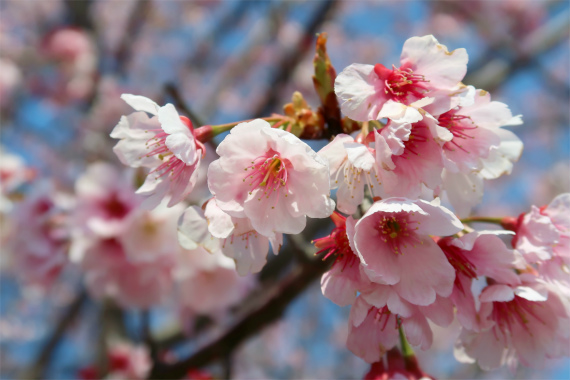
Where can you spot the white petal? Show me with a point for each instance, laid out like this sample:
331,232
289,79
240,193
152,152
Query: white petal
355,89
183,147
497,293
428,57
220,224
530,294
170,121
359,156
140,103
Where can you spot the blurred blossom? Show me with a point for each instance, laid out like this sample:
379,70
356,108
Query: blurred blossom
10,79
63,68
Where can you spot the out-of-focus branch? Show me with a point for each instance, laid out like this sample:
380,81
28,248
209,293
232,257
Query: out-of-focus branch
78,13
292,58
37,369
147,334
134,26
179,103
496,70
262,32
265,311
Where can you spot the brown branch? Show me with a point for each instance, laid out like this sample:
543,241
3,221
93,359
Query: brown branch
496,70
134,26
266,311
293,58
37,369
172,90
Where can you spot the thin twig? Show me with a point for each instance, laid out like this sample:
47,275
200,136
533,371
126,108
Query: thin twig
496,70
133,28
293,58
266,311
37,369
147,334
172,90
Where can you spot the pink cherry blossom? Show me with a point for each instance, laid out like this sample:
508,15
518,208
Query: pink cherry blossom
480,148
371,331
414,318
476,255
529,323
352,167
374,329
240,241
342,282
409,157
152,234
544,233
270,177
474,128
110,273
104,200
427,68
164,143
146,248
393,242
207,280
38,238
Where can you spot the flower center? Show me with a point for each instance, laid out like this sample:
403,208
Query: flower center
458,259
171,165
459,126
267,173
382,316
353,176
417,137
114,207
244,238
397,233
401,84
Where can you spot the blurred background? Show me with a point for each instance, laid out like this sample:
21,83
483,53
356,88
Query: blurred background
64,65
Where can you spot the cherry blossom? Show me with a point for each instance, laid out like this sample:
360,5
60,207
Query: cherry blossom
373,328
427,68
409,157
480,149
342,282
529,324
164,143
240,241
38,239
476,255
104,201
393,243
544,233
207,280
148,283
352,167
270,177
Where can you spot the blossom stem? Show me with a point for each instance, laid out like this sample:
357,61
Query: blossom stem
207,132
407,350
482,219
220,128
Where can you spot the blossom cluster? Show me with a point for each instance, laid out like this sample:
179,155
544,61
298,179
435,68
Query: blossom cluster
406,163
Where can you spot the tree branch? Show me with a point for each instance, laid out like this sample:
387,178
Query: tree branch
37,369
266,311
293,58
